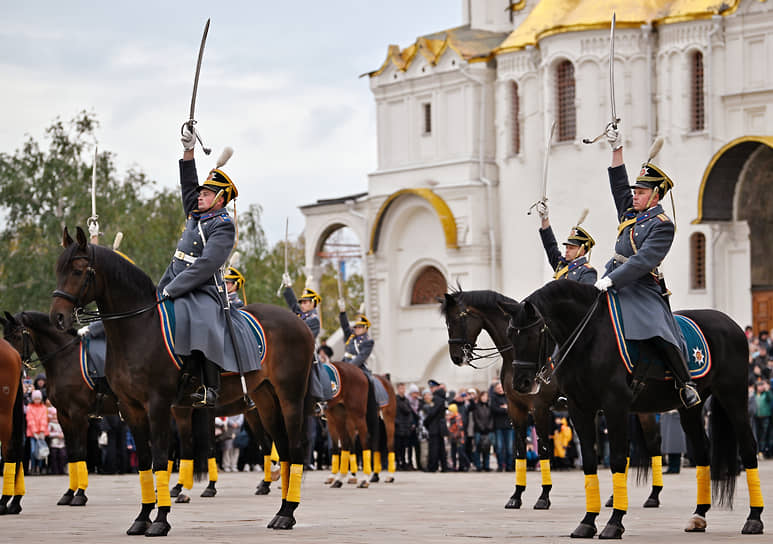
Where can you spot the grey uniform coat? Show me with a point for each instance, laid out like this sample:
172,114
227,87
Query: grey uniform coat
357,348
578,269
235,301
199,314
645,241
310,318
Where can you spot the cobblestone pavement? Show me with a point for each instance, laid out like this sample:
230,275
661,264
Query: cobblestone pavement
418,507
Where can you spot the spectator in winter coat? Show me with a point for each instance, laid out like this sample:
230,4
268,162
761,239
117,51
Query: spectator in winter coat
405,423
37,429
483,423
503,430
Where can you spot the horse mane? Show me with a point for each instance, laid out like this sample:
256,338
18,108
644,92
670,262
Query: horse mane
563,291
122,269
482,299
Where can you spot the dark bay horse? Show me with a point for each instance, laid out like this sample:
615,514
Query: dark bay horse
593,377
353,414
467,313
11,425
145,380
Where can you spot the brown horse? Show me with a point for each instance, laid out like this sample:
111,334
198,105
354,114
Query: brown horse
353,413
146,380
11,424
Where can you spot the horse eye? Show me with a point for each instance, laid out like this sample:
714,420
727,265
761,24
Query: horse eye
77,272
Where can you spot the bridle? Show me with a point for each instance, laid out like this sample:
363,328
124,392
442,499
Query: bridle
83,315
471,351
27,347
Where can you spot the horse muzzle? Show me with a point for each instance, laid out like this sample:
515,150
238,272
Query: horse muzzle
524,378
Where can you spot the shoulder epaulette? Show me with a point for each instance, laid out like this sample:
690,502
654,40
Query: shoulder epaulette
663,217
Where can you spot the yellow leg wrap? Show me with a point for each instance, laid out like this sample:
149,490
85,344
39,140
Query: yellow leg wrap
146,487
9,478
620,491
170,466
657,470
344,466
755,491
391,465
72,470
366,466
162,488
19,488
83,475
353,463
186,473
266,468
703,477
274,453
212,469
377,462
294,491
284,467
627,464
592,495
520,472
544,466
334,463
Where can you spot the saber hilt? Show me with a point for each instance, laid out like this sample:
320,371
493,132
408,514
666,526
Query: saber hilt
191,124
600,136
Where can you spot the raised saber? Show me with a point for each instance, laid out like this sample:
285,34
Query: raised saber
287,241
93,221
545,170
615,118
191,123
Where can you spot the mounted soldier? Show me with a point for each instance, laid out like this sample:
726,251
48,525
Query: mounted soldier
573,265
194,278
305,306
358,344
234,281
644,237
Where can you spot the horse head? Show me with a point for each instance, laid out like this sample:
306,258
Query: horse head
18,335
75,279
464,326
527,333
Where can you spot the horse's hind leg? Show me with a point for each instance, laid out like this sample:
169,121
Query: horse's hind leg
652,439
586,430
543,425
184,420
253,421
692,424
140,430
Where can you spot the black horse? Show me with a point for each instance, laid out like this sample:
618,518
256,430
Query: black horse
145,380
590,372
467,313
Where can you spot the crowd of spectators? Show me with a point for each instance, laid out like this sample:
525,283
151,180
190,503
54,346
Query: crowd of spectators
760,396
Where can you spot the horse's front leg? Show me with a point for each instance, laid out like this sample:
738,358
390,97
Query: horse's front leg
617,423
520,419
140,428
75,437
160,429
584,425
543,425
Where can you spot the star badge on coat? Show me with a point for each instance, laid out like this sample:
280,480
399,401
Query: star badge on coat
697,355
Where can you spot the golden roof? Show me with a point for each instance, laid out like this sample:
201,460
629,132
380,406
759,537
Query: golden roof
470,44
557,16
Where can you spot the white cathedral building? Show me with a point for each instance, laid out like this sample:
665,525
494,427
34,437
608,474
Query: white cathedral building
463,116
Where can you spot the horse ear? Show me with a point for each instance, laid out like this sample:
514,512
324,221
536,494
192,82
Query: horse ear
8,317
4,322
82,240
448,299
66,238
509,308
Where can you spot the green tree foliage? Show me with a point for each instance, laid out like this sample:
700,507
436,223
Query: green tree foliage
44,190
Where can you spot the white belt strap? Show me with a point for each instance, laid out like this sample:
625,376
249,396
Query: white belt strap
184,257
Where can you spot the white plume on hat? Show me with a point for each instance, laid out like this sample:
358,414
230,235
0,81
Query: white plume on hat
224,156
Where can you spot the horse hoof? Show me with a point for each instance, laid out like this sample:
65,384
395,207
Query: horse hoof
182,498
263,489
389,480
208,492
651,503
542,504
584,530
351,481
374,478
158,528
282,523
612,531
364,484
3,509
330,480
65,500
337,484
610,503
13,509
697,524
513,504
176,490
752,527
138,527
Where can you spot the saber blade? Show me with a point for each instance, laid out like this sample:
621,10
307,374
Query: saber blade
94,185
545,162
192,116
615,120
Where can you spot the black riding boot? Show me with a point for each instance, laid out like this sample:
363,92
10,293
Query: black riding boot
207,393
688,391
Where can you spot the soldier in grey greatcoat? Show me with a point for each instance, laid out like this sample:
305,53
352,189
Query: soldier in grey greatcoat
644,236
194,278
573,265
358,344
304,307
234,280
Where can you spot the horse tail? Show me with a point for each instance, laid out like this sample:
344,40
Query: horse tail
203,435
639,451
724,455
17,433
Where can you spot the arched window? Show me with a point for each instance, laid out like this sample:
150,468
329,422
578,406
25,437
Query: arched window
697,105
698,261
566,114
514,119
429,284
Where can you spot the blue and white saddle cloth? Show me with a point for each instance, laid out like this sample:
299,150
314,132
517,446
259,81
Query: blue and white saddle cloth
699,356
92,353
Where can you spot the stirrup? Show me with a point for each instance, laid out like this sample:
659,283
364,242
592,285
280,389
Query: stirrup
689,395
205,396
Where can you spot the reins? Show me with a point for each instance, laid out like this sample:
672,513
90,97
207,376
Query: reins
472,352
26,356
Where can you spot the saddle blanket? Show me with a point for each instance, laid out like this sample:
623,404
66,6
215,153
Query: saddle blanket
244,323
382,397
92,353
331,373
698,361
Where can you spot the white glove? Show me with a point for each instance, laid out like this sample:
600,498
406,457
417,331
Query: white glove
614,139
603,284
165,293
93,228
188,138
83,331
341,305
286,281
542,209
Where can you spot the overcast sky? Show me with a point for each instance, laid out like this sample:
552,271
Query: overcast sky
278,83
